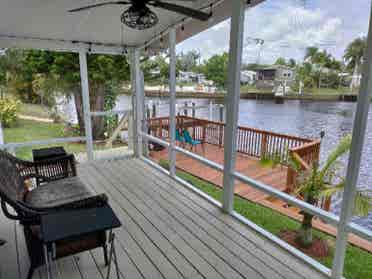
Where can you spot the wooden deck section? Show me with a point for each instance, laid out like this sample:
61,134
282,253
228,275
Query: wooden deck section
245,164
250,166
168,232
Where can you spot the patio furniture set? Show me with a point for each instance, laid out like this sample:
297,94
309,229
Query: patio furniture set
60,215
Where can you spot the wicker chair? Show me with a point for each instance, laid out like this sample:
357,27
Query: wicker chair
58,188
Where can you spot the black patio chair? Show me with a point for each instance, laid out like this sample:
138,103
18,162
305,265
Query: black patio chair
60,189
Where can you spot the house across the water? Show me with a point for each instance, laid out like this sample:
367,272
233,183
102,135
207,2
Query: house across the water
275,76
248,77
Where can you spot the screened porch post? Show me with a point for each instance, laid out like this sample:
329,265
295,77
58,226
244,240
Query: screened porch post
1,134
172,101
138,101
359,130
86,104
232,102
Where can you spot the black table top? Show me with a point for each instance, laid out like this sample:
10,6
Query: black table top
73,223
47,153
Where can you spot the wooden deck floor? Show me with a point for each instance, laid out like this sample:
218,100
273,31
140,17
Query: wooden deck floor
168,232
250,166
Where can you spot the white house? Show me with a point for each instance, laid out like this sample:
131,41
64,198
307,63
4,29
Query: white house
248,77
191,77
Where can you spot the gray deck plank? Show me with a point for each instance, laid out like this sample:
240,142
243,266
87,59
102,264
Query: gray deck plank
68,269
86,265
238,245
129,238
178,239
127,268
166,240
168,232
241,233
223,244
24,261
8,252
185,227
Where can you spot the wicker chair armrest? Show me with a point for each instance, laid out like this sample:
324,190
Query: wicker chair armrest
28,216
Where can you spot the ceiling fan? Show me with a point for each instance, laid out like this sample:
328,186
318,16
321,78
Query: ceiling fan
139,16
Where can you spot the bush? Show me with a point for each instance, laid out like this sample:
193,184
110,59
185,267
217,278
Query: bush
8,112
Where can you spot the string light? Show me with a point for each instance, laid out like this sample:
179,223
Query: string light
161,40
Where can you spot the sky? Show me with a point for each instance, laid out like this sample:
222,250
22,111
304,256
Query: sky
287,28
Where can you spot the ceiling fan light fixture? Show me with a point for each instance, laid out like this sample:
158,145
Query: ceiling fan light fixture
139,19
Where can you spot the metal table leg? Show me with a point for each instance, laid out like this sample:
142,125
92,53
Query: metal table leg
48,256
112,255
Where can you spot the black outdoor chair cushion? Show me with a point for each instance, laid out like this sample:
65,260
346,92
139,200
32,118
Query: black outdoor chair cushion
58,193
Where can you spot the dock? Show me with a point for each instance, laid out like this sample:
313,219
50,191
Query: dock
252,145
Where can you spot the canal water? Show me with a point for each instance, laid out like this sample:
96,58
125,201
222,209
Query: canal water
300,118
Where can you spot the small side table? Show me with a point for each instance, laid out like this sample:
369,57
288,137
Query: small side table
48,153
74,223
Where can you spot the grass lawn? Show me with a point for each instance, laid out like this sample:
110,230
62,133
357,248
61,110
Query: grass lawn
28,130
331,91
34,110
358,263
252,89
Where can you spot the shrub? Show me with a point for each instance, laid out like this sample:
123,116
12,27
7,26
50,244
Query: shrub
8,112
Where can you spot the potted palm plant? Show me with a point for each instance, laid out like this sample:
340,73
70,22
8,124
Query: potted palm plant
317,182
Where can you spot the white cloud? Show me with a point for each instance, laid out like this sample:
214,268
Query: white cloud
286,28
289,30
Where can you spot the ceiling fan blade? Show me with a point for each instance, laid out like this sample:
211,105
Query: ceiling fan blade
181,10
99,5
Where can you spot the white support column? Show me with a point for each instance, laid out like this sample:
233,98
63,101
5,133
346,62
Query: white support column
1,134
138,101
232,102
142,124
172,101
86,104
359,130
133,128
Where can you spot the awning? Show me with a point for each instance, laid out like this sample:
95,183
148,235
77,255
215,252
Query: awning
41,24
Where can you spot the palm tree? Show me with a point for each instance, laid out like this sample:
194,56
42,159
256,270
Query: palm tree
322,182
354,53
311,53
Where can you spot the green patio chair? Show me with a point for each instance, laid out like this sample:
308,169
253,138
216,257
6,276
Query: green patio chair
191,141
180,138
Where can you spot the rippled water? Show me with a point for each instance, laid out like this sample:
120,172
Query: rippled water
301,118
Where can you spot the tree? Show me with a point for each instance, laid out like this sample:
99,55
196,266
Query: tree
317,182
216,67
62,72
188,61
354,53
310,53
304,75
280,61
292,63
2,75
18,79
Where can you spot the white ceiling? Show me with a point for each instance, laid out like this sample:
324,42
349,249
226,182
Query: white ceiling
46,24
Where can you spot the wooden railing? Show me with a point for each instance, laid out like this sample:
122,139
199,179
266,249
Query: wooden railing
306,155
253,142
250,141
